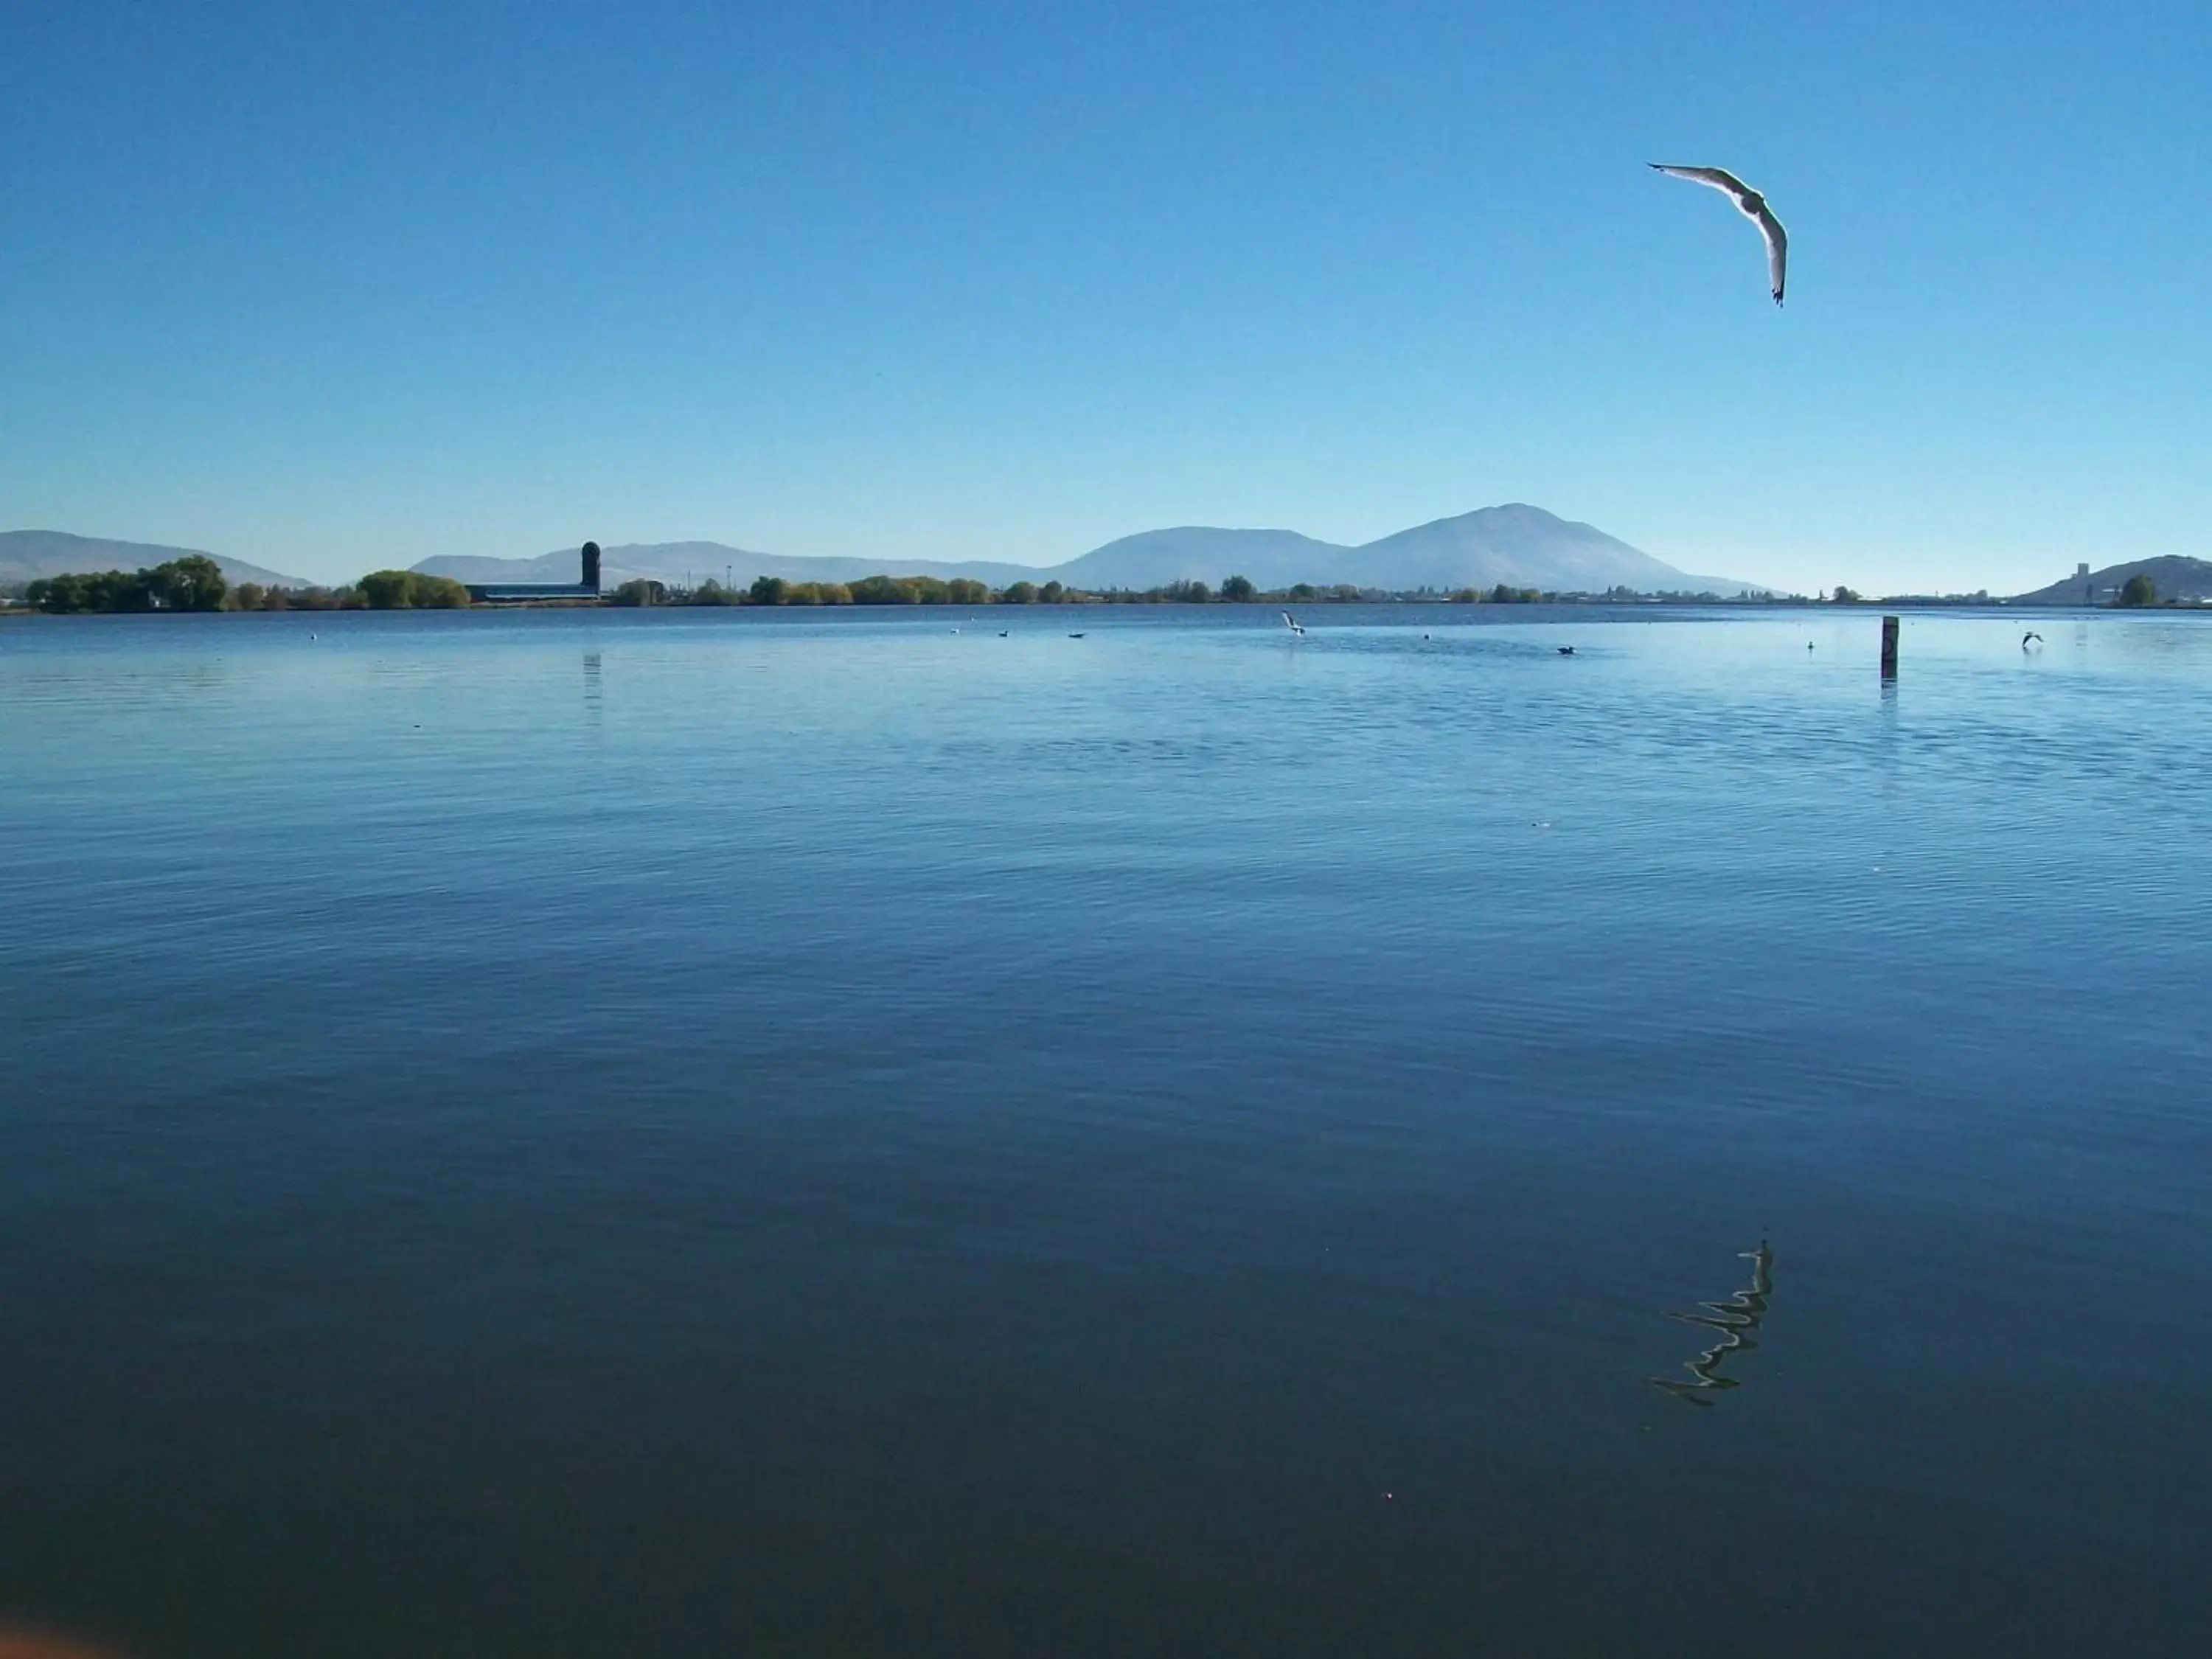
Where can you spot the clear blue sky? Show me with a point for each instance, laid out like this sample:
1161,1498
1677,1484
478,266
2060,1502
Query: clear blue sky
337,285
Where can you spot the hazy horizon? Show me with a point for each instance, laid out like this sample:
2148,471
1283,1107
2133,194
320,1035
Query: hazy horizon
325,291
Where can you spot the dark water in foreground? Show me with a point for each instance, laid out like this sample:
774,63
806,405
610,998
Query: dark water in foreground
713,1133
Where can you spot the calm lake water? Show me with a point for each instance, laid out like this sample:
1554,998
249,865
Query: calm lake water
694,1132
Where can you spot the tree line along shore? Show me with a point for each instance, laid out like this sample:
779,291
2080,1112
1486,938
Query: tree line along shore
196,583
959,590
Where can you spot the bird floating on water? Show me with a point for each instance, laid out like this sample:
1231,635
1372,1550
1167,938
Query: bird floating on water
1750,203
1075,636
1002,633
1296,627
1566,651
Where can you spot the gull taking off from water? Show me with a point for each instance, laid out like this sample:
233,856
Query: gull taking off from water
2030,634
1750,203
1294,625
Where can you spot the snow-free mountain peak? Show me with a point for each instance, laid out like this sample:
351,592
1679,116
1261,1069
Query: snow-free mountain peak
1516,544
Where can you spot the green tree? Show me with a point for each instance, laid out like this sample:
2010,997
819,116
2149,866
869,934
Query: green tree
1052,594
438,593
640,591
321,599
1845,596
1238,590
54,595
247,596
766,590
194,582
2138,590
964,590
82,593
1302,591
388,590
1019,593
882,589
711,592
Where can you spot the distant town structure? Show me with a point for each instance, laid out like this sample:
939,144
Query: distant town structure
521,592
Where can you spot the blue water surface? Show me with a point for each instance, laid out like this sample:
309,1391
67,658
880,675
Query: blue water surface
807,1132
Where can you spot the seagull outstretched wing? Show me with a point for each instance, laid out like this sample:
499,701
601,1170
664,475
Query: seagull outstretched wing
1750,203
1777,247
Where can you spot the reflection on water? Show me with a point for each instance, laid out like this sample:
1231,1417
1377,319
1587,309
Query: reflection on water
1736,1320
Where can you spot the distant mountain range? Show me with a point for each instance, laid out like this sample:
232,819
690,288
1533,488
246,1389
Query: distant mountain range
27,555
1519,545
2176,576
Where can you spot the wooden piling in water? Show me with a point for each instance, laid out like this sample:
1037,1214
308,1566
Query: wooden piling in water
1889,647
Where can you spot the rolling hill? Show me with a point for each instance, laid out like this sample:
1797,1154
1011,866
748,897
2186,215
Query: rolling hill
2178,578
1520,545
27,555
680,562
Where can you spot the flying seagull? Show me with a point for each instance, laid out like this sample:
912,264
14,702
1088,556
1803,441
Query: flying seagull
1750,203
1294,625
2030,634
